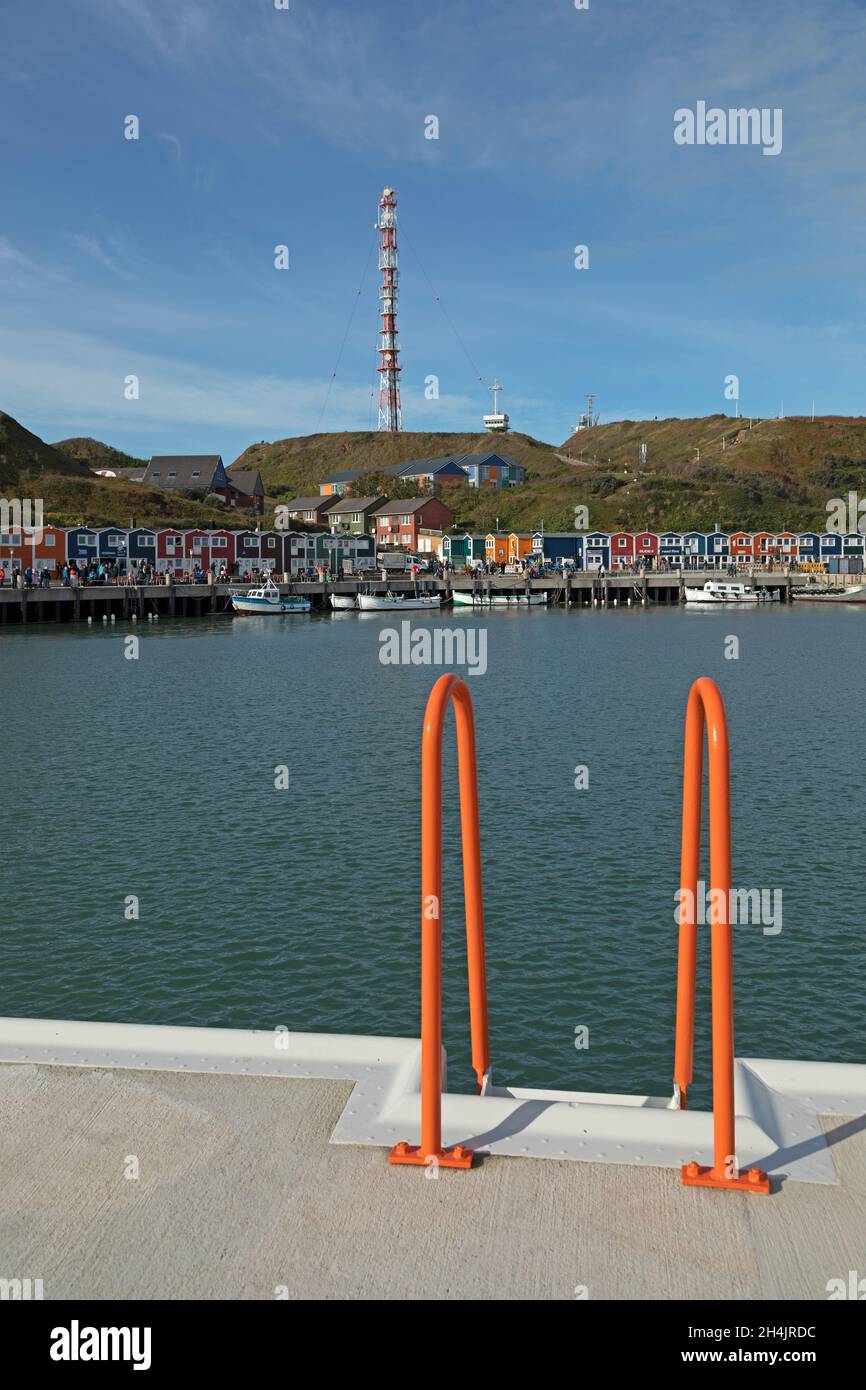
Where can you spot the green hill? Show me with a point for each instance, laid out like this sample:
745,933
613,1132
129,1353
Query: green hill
72,494
96,454
295,467
23,454
697,472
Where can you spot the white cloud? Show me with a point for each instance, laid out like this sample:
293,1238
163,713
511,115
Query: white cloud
177,31
12,258
174,142
92,247
83,379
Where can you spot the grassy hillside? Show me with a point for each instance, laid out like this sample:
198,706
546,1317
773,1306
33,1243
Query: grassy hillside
96,454
25,454
72,494
698,471
715,468
295,467
776,473
113,502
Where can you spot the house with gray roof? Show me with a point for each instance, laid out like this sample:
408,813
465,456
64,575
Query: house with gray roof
312,510
479,470
354,515
340,484
249,488
205,473
193,472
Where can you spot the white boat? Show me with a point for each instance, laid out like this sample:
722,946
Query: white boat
343,601
715,592
268,599
852,593
399,603
471,600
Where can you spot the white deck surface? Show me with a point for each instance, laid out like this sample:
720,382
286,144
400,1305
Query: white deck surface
241,1192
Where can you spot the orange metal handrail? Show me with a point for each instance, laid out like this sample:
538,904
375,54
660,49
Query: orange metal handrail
447,688
706,708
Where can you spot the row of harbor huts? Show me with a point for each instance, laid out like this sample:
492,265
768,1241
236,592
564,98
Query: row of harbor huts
167,549
624,550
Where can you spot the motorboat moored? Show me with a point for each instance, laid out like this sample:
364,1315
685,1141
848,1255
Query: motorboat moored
268,599
715,592
397,603
851,593
466,598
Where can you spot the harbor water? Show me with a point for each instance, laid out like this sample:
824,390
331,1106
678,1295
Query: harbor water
155,868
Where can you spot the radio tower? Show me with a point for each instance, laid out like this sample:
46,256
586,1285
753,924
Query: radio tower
390,411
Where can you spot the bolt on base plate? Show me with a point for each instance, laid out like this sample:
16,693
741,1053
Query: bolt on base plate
458,1157
753,1180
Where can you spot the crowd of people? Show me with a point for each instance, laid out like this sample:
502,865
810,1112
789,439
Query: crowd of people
110,572
24,579
537,568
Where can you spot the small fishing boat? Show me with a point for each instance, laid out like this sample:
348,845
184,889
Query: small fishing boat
714,592
397,603
268,599
465,597
343,601
852,593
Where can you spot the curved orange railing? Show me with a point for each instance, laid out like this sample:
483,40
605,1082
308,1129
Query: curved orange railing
447,688
706,708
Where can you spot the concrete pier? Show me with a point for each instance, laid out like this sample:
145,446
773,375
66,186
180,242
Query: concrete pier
190,1163
573,590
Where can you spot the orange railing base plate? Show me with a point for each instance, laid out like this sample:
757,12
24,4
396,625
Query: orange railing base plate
458,1157
753,1180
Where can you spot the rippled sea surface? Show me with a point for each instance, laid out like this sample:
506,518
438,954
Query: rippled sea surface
261,907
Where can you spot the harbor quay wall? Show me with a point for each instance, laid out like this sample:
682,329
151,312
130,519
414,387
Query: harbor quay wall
127,602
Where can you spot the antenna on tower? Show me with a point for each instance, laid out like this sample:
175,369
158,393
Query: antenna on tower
587,420
498,420
390,409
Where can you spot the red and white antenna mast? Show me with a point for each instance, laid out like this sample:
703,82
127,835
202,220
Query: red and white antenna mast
390,410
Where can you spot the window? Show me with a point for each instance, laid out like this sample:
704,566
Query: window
155,473
356,517
405,521
218,542
147,540
196,472
172,473
406,538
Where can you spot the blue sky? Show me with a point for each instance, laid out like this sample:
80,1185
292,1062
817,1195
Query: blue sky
260,127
